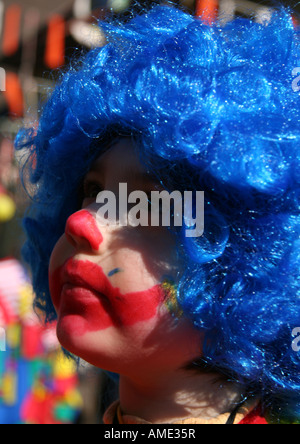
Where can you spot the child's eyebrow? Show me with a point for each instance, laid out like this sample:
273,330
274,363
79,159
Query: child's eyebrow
138,176
100,168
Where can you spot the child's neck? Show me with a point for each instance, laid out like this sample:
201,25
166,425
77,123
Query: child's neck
178,396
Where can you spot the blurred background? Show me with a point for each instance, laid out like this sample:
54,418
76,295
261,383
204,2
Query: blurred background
38,385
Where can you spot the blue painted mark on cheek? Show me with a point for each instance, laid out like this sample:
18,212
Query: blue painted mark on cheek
114,271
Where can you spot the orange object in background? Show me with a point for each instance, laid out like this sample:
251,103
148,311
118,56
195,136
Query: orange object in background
295,21
14,95
207,10
55,43
11,30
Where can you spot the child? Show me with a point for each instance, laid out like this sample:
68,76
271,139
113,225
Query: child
199,328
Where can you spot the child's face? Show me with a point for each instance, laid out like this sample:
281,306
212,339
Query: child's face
106,281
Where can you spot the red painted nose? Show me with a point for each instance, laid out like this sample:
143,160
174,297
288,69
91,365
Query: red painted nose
82,231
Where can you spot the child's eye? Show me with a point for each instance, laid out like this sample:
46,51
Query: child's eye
91,190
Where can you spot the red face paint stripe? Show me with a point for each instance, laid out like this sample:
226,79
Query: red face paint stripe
91,297
82,226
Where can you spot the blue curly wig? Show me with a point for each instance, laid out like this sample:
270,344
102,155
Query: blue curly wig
213,109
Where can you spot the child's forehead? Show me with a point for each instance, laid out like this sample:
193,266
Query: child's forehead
122,158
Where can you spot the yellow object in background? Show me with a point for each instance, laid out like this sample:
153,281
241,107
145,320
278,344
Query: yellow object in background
39,391
25,301
73,399
9,389
7,208
13,335
63,366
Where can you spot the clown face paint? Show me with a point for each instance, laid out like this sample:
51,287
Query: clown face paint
86,300
114,309
83,227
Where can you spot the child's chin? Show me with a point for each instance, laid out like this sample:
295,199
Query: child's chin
70,334
89,346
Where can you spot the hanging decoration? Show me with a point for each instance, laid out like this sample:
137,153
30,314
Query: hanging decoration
55,43
11,30
14,95
207,10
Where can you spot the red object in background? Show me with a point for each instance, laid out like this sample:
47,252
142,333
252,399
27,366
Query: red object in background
31,341
6,313
40,411
14,95
55,43
11,31
63,385
207,10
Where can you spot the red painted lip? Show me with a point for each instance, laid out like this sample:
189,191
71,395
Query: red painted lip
80,274
73,280
86,292
82,288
